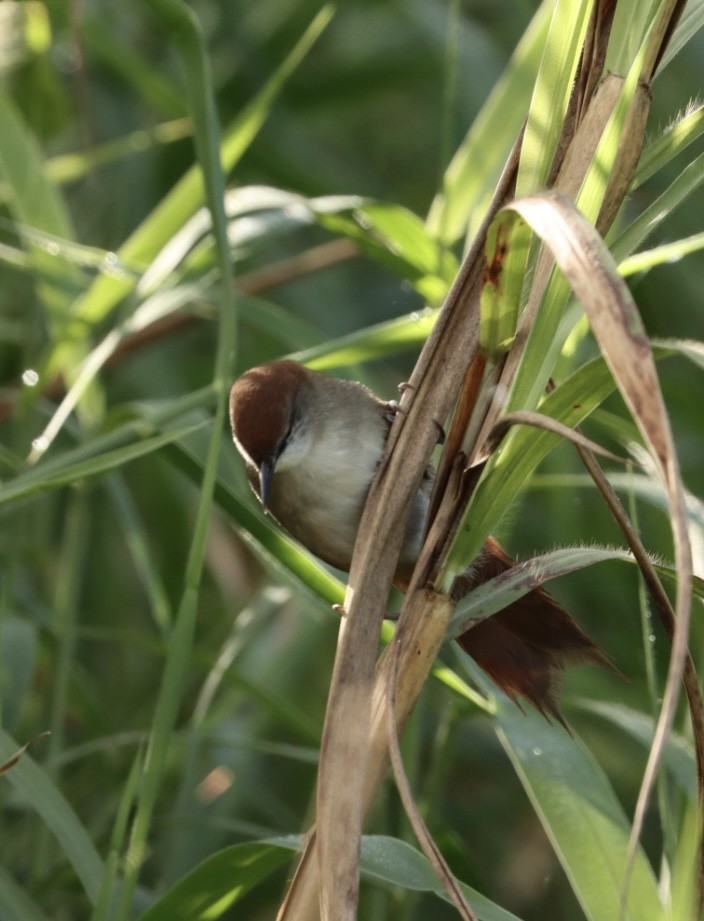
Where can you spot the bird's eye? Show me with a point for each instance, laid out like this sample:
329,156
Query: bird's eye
285,440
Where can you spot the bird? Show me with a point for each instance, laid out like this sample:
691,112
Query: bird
311,445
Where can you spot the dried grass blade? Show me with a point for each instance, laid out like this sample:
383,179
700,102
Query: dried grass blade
538,420
588,266
405,645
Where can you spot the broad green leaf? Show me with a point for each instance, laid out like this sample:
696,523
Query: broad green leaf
222,880
580,814
207,892
678,759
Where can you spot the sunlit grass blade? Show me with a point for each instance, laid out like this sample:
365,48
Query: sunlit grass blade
72,166
373,342
666,254
524,448
391,235
149,420
674,140
36,203
160,305
551,92
691,22
471,176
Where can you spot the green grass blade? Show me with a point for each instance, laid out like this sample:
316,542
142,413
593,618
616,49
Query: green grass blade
471,176
35,202
188,195
679,191
382,339
218,883
551,93
674,140
63,472
691,22
37,790
667,254
15,902
523,450
678,759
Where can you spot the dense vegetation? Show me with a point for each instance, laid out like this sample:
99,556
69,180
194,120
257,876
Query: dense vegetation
175,645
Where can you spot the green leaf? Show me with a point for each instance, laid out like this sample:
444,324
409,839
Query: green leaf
471,176
580,814
207,892
551,92
220,881
649,219
62,473
522,451
678,759
15,902
187,195
501,591
666,254
674,139
382,339
40,794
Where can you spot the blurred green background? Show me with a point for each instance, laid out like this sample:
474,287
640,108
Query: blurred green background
91,574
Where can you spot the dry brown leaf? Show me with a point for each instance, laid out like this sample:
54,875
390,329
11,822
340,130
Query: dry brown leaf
591,271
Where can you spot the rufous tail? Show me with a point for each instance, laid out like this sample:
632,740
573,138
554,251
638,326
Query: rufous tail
525,647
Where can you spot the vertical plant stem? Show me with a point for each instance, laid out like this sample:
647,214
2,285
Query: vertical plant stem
68,588
187,36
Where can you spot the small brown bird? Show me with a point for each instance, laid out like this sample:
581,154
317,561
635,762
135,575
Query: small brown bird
312,443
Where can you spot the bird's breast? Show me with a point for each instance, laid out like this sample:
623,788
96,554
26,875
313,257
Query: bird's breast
321,506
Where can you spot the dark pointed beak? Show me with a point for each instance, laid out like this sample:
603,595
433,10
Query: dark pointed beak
266,473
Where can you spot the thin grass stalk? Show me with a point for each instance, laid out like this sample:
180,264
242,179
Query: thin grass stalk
187,36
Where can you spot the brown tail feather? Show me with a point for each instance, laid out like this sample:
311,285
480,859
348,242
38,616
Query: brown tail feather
525,647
